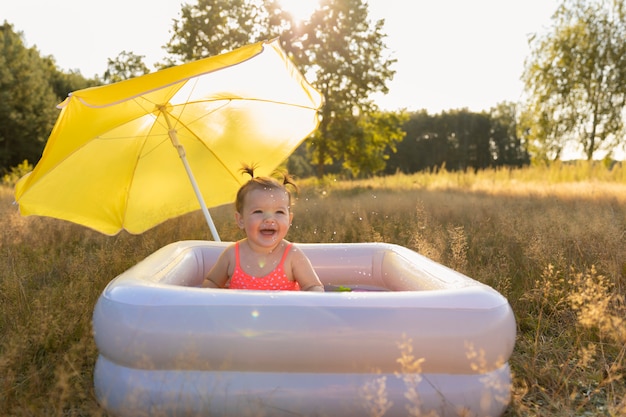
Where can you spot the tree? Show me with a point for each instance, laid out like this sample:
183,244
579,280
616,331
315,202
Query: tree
575,80
27,100
212,27
374,136
338,48
460,140
127,65
345,58
506,146
63,83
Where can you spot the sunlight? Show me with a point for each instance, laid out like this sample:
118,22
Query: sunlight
300,10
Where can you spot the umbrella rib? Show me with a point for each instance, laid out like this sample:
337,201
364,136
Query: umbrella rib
188,102
179,122
260,100
150,90
217,158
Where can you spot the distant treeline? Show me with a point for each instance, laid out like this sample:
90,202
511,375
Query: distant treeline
456,140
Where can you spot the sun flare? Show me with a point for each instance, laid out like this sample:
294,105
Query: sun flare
300,10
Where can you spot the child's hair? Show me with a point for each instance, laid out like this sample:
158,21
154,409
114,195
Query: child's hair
262,183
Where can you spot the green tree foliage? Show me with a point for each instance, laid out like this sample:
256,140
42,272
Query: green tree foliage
575,79
63,83
27,100
506,146
459,140
31,86
125,66
338,48
212,27
345,57
375,137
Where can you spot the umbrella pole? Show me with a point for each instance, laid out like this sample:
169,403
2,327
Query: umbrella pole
194,184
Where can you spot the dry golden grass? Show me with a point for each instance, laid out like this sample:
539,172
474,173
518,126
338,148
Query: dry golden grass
551,239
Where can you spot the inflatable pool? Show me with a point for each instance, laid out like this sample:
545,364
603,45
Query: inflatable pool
394,332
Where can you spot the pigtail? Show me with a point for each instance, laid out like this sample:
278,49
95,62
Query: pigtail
288,179
248,169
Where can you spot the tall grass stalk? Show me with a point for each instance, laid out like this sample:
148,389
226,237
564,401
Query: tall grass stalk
552,239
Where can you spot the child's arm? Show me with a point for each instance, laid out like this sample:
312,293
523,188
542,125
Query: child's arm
218,275
303,271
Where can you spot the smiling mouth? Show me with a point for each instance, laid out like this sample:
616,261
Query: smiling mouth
268,232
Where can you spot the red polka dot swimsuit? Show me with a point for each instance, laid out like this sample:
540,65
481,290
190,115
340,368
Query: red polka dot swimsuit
275,280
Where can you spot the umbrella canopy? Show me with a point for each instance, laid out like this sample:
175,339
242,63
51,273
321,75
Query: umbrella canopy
113,159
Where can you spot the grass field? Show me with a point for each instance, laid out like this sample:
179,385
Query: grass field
550,239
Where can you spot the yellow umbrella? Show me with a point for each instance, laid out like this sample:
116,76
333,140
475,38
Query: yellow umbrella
113,159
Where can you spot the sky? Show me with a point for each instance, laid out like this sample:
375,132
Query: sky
451,54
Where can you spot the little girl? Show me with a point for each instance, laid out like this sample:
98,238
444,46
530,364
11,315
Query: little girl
263,260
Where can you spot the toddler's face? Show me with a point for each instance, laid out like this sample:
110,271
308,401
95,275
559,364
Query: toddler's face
265,216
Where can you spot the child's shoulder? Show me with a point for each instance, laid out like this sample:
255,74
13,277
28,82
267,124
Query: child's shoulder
294,250
233,245
229,251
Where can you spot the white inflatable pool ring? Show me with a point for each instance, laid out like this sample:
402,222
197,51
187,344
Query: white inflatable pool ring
170,348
